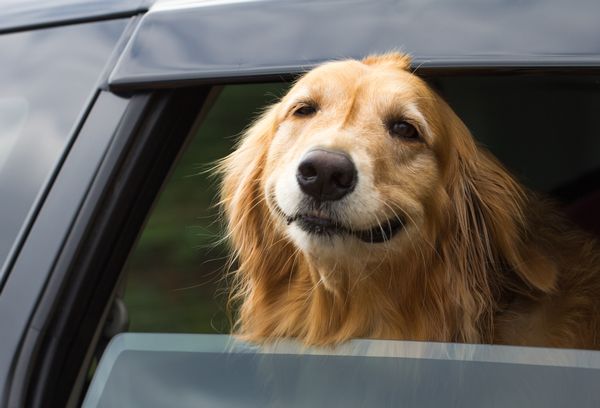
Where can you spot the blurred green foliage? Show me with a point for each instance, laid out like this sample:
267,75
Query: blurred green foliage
174,274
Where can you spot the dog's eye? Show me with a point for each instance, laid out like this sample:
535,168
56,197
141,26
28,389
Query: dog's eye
305,110
404,130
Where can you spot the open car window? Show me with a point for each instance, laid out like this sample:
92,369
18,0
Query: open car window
175,278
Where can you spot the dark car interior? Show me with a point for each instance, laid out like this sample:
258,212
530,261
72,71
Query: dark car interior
543,129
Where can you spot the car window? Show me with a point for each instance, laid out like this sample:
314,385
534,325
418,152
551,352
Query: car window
176,276
13,114
50,79
149,370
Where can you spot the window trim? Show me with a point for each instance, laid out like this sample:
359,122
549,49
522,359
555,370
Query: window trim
145,146
33,264
82,277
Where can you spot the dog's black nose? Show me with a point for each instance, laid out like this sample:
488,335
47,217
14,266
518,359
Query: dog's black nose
326,175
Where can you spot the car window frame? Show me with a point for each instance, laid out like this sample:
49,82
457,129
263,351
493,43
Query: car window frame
55,353
64,348
19,294
81,280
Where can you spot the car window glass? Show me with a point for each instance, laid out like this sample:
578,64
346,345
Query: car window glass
176,276
185,370
13,113
47,78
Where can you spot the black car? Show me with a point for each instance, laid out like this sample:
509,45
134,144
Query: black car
101,101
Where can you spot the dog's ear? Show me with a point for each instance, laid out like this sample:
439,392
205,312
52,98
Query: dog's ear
493,223
496,213
241,195
262,256
392,59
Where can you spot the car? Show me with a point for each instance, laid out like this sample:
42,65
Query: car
99,101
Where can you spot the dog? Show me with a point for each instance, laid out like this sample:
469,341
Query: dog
360,206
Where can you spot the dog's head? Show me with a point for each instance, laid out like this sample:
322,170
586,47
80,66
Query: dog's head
354,160
362,167
351,161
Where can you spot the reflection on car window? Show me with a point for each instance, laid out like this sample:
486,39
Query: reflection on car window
543,128
46,79
13,113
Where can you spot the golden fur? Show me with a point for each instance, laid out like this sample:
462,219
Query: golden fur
480,260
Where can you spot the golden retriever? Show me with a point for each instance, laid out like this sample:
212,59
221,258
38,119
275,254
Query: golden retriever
360,206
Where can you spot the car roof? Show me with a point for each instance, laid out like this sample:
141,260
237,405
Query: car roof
195,40
189,40
19,15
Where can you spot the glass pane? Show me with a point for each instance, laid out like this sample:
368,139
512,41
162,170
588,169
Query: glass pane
153,370
47,78
13,114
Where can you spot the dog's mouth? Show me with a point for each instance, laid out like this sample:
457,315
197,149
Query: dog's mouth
323,226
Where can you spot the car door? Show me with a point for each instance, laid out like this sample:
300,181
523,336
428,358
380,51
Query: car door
55,60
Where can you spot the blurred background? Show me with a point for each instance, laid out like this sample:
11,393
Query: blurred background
175,273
